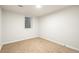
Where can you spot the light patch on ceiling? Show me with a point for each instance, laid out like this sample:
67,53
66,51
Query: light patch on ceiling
38,6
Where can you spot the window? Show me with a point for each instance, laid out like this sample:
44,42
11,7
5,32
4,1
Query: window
27,22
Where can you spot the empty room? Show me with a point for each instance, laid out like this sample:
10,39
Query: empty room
39,28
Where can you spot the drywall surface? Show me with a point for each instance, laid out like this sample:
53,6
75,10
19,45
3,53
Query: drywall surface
13,27
62,26
0,26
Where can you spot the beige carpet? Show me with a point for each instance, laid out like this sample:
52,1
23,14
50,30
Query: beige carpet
35,45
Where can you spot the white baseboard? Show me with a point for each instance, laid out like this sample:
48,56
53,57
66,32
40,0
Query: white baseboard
3,43
44,37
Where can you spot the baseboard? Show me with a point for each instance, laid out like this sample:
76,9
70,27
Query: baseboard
3,43
44,37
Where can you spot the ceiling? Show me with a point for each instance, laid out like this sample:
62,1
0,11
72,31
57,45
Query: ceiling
31,10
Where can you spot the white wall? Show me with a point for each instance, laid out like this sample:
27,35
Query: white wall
62,26
13,27
0,26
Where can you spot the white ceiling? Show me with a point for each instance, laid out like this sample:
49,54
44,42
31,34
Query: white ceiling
31,10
